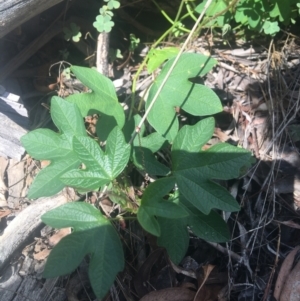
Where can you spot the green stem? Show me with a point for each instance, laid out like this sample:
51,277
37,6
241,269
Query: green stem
176,23
179,11
188,7
141,67
137,130
163,12
123,218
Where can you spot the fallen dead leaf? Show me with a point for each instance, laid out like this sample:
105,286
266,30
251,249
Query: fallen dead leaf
144,272
291,289
55,238
44,163
42,255
290,224
284,276
4,213
208,292
205,293
170,294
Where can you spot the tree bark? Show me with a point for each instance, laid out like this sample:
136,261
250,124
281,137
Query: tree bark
14,13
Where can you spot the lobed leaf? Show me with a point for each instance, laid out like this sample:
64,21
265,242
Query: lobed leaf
158,56
48,182
77,215
178,91
192,138
101,167
94,235
46,144
144,148
153,205
194,169
174,237
101,99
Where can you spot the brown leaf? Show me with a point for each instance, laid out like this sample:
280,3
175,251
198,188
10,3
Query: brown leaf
42,255
4,213
290,224
285,270
208,292
291,289
202,292
143,273
55,238
170,294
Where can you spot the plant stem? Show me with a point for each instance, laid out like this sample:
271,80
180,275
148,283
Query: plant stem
232,4
188,7
170,70
176,23
179,11
142,65
152,47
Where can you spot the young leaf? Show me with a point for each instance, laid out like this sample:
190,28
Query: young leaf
113,4
93,234
158,56
194,170
101,99
72,33
178,91
45,144
101,167
103,23
153,204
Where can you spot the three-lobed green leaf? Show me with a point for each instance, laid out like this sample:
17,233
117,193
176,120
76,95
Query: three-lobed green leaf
195,170
153,204
175,237
101,99
44,144
92,235
178,91
100,167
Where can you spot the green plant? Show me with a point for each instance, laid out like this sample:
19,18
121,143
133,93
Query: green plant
72,33
256,15
186,195
104,21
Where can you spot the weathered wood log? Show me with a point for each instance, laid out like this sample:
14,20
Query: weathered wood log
14,13
24,225
13,125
